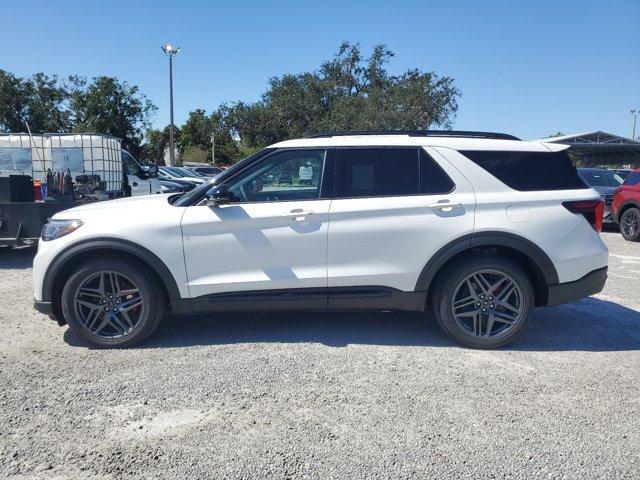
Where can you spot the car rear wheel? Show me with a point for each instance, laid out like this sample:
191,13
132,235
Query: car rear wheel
630,224
109,303
483,302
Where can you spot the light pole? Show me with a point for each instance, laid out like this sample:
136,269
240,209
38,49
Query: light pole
634,112
213,148
170,51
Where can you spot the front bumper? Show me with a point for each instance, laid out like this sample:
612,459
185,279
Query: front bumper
43,307
592,283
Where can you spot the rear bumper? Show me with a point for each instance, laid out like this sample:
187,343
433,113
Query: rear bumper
592,283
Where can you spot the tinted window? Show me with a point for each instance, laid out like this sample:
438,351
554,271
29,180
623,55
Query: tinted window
288,175
633,179
529,171
601,178
377,172
433,180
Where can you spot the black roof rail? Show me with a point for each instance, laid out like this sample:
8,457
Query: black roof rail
420,133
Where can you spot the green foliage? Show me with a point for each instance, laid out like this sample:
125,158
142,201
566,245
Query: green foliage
108,106
40,100
198,130
102,105
156,142
346,93
195,154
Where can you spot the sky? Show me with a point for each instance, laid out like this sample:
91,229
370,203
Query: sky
530,68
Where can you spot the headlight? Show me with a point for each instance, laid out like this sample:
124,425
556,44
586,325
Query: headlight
59,228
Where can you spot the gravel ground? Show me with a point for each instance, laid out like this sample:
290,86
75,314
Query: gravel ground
325,395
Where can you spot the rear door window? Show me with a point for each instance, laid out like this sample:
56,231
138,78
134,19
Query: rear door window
379,172
388,172
529,171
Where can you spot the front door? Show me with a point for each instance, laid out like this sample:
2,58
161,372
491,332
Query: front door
137,180
272,236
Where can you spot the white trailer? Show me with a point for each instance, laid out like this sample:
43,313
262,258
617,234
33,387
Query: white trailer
93,161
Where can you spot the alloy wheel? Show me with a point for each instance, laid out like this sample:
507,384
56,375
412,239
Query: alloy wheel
630,223
109,304
487,304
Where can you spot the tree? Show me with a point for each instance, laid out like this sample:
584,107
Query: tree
154,146
39,100
108,106
196,133
195,154
346,93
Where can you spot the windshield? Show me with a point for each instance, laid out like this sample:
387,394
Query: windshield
168,172
198,192
175,172
184,172
209,170
602,178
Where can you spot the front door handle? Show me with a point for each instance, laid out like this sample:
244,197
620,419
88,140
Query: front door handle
445,206
135,184
298,214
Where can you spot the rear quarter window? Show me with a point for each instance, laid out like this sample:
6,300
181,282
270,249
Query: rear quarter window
633,179
529,171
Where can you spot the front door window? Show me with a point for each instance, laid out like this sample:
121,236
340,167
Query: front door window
289,175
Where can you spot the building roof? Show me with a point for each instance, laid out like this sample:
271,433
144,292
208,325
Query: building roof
589,138
600,148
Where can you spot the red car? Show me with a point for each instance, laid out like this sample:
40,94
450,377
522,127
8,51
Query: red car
626,206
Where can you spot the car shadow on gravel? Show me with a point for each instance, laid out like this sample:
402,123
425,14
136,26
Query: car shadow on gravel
586,325
16,258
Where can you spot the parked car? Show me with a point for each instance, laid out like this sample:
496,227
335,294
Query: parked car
185,184
605,182
392,224
173,187
207,171
187,173
169,173
626,207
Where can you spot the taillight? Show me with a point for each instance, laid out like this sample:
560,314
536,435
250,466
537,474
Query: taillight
592,210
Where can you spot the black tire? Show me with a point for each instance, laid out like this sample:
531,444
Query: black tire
147,318
630,224
450,281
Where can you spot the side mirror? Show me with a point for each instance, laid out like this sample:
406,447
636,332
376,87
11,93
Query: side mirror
152,170
219,195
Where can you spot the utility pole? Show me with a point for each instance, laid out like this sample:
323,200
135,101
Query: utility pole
170,51
634,112
213,148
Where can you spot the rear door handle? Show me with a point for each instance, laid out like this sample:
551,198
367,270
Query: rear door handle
135,184
445,207
298,214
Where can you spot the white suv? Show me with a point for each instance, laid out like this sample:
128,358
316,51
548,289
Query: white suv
477,228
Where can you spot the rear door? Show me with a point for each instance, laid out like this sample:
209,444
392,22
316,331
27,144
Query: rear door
393,209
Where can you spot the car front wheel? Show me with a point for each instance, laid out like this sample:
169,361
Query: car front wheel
109,303
484,301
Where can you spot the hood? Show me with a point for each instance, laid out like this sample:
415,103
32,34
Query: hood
144,202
